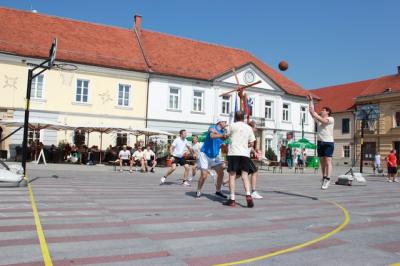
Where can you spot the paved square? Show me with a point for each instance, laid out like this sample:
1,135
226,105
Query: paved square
93,215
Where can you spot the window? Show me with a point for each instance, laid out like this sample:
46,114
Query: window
174,94
268,110
303,115
226,105
346,151
198,101
268,144
345,125
285,112
37,87
124,92
33,135
82,89
369,150
122,139
250,105
397,119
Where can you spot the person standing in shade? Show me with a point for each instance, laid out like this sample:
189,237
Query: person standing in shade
326,143
208,157
242,138
377,163
289,158
178,149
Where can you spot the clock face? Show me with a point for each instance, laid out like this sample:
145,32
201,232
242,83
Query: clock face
249,77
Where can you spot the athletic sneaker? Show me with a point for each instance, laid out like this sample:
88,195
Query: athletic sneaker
250,203
255,195
190,178
152,170
198,194
162,180
222,195
230,203
397,180
325,183
186,183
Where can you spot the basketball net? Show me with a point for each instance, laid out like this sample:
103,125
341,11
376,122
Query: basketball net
372,125
66,77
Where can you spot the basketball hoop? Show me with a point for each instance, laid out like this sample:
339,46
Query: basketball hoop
67,72
371,125
52,53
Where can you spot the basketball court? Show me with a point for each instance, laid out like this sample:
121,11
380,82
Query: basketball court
93,215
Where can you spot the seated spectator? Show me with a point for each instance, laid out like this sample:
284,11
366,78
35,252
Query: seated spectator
67,151
75,155
138,158
125,158
150,159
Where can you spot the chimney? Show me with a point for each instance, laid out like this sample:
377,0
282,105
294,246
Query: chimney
138,23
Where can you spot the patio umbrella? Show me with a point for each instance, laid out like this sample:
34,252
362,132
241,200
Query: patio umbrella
34,123
303,144
147,132
102,129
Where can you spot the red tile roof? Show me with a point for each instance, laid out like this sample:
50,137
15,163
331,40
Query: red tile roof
29,34
381,84
178,56
341,98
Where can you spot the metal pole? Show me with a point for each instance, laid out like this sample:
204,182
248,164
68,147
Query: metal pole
302,127
362,145
26,121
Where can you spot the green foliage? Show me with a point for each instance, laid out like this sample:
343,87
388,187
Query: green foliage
270,154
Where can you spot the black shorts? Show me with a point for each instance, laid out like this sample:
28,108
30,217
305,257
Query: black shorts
126,161
325,149
238,164
392,170
137,162
179,161
150,162
252,168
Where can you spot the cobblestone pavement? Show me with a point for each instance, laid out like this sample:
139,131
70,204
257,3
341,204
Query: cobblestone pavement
93,215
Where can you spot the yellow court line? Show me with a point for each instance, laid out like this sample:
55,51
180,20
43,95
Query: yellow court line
308,243
395,264
39,229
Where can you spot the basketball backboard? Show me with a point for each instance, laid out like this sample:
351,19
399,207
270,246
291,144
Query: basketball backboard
52,53
367,112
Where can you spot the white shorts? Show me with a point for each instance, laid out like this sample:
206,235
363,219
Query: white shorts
205,163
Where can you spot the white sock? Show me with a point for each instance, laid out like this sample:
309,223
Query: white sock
248,193
232,197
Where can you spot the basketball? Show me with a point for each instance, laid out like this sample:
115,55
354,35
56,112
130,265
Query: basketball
283,65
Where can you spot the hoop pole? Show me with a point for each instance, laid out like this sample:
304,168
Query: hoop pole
26,121
362,145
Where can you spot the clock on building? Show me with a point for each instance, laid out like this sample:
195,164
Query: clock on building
249,76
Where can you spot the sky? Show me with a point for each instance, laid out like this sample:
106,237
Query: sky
325,42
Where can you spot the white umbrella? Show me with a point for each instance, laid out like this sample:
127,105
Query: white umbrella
98,128
148,132
34,123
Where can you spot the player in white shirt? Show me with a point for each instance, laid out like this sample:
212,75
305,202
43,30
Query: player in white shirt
326,143
178,149
196,146
125,158
242,137
149,159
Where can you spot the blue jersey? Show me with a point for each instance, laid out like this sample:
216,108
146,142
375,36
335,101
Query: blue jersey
211,146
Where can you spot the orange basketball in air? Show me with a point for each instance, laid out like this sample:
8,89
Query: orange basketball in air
283,65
